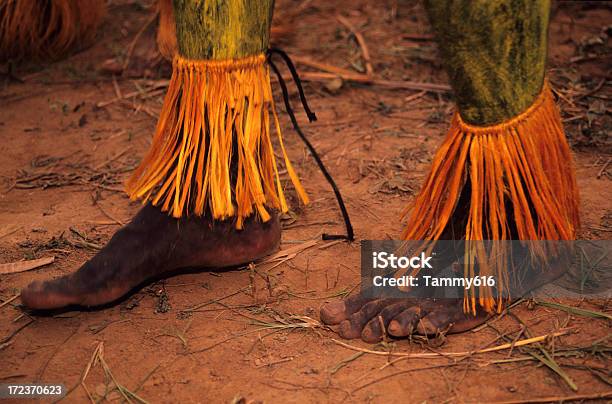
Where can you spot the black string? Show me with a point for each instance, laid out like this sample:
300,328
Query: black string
311,117
296,79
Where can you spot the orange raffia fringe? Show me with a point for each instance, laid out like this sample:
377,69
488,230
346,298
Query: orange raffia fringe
525,162
166,32
212,150
47,29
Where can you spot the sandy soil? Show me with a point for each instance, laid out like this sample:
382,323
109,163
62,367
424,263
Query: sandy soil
64,159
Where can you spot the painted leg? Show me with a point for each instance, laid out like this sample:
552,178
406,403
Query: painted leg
210,179
504,171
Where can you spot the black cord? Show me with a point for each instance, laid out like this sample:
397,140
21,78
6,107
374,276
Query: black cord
296,79
311,117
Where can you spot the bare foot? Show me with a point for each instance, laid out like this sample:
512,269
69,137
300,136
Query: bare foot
364,318
361,317
154,244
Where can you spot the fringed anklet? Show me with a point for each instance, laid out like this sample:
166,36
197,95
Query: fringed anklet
524,162
215,125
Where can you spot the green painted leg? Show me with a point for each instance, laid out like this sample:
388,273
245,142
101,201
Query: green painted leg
494,52
222,29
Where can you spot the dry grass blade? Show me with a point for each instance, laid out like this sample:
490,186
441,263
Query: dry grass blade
108,215
306,61
132,44
209,302
291,322
223,341
330,72
264,326
280,324
22,266
5,345
575,310
112,159
429,355
345,362
10,299
548,360
364,79
360,41
403,372
159,84
84,374
595,348
339,294
7,231
560,399
90,364
123,390
9,337
147,376
98,357
288,253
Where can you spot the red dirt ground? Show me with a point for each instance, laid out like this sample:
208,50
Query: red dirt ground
64,160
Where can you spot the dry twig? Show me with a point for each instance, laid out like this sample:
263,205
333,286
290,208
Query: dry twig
22,266
360,41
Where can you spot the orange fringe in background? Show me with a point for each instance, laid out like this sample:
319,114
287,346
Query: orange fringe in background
166,32
214,124
47,29
525,161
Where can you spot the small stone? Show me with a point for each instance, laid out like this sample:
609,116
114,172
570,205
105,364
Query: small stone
101,390
111,66
334,85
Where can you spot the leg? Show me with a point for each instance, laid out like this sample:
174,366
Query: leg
210,178
504,170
